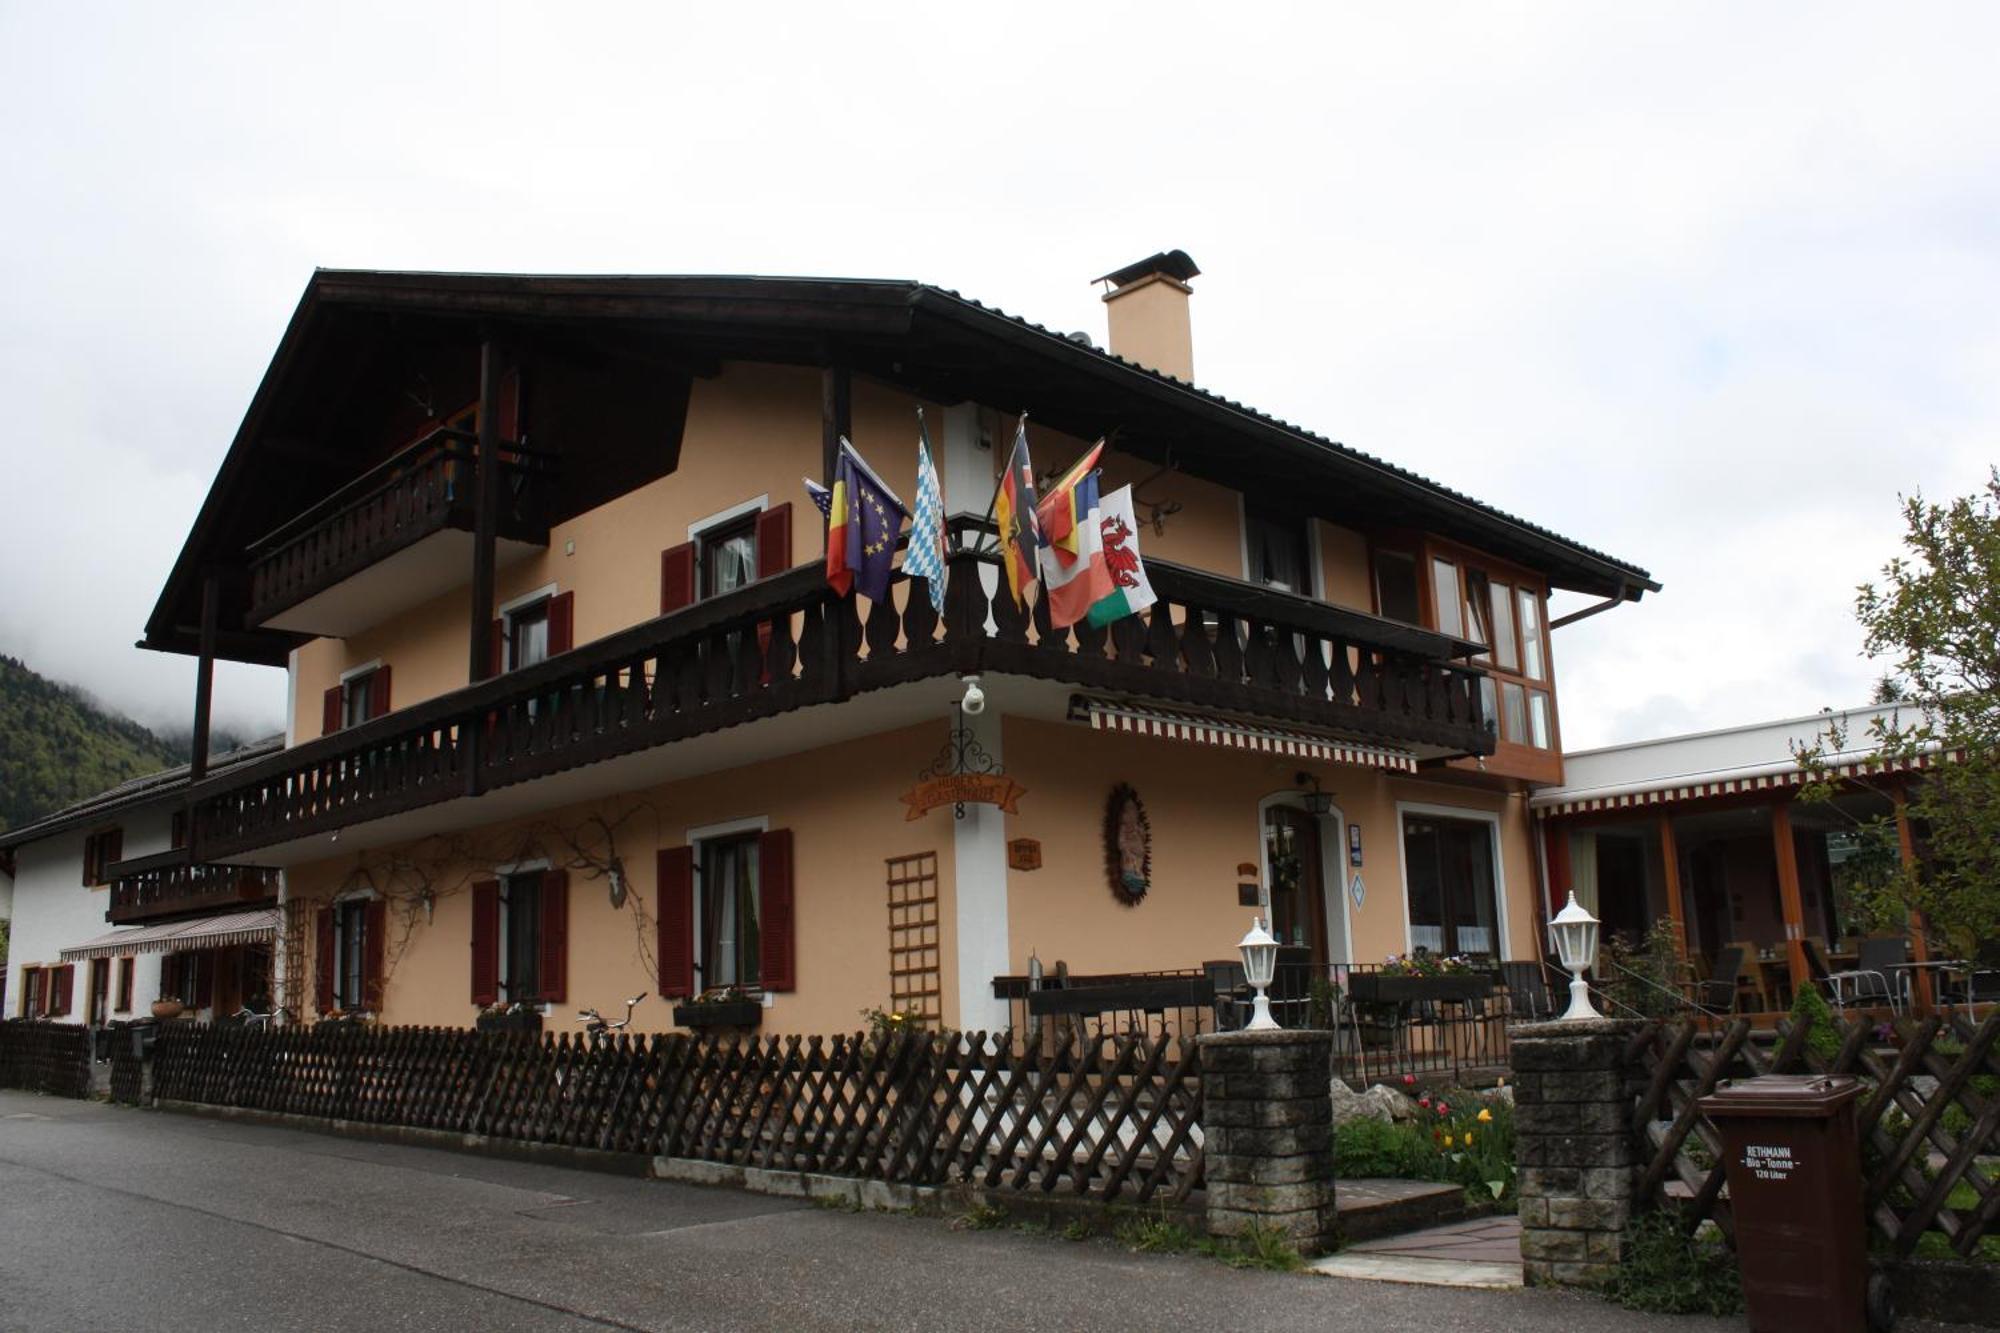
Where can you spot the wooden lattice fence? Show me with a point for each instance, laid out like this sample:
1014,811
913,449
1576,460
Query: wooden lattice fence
45,1057
1117,1118
1928,1118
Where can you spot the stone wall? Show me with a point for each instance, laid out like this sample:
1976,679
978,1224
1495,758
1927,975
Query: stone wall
1267,1135
1574,1095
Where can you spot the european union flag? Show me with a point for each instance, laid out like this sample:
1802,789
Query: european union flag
863,522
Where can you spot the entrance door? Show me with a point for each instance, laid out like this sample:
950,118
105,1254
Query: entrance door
98,1009
1298,898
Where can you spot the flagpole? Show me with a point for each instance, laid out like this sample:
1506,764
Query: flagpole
987,518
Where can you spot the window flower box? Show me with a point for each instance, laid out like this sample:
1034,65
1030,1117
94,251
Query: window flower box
742,1011
522,1020
1378,988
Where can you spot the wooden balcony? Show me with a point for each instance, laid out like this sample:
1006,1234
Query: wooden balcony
153,888
313,574
785,643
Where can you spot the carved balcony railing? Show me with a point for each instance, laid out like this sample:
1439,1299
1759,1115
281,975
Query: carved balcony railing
156,887
426,488
786,642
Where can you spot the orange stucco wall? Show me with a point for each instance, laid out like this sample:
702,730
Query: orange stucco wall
845,820
1203,804
755,430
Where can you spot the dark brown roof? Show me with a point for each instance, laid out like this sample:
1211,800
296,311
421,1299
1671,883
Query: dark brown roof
928,339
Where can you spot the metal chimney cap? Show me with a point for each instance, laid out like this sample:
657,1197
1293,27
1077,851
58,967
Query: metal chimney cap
1174,264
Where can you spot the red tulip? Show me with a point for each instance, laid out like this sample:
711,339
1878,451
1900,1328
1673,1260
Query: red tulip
1424,1102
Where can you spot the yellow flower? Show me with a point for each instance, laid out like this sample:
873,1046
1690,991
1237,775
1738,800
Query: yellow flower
1485,1115
1468,1138
1447,1140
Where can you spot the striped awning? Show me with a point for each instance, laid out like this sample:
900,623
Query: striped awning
1236,734
1739,783
257,926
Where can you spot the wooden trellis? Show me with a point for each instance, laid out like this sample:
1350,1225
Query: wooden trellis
1916,1151
1111,1118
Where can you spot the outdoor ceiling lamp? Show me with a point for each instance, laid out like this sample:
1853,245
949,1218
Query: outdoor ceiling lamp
1575,932
974,702
1317,802
1260,962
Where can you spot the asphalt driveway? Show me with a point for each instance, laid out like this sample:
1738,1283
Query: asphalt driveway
113,1218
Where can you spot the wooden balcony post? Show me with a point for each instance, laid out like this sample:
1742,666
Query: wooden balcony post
204,674
486,518
1920,949
1670,868
1786,851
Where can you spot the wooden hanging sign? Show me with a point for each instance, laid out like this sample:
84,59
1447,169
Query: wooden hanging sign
963,789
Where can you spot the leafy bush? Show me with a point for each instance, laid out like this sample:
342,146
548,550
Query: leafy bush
1667,1271
1460,1138
1155,1235
1823,1038
1264,1247
1645,978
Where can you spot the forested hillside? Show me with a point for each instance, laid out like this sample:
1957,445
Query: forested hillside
57,747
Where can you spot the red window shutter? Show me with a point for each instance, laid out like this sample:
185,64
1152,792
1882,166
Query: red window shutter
486,942
676,577
676,906
374,936
65,986
125,967
562,623
89,859
323,961
378,692
114,848
555,936
774,540
329,717
496,656
777,954
202,966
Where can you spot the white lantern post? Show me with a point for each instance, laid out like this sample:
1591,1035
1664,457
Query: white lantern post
1575,932
1260,963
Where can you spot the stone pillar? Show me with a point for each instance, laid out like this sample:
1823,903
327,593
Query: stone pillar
1267,1135
1574,1098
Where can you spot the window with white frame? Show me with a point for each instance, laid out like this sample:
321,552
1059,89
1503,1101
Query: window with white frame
727,912
1454,900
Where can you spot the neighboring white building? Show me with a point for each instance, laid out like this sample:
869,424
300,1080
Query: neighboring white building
70,963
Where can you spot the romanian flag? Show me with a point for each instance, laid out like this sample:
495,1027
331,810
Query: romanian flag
863,520
1074,574
1014,513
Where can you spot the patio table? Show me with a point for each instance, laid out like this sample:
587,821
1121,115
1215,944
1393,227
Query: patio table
1941,967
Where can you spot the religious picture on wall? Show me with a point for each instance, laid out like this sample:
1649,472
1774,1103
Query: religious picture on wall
1128,845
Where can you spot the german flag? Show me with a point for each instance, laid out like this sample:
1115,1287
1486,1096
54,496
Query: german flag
1014,513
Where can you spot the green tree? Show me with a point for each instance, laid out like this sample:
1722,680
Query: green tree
1933,619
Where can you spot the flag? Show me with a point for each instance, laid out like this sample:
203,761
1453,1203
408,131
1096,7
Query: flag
1119,535
1014,512
1058,516
863,520
1075,579
925,557
821,497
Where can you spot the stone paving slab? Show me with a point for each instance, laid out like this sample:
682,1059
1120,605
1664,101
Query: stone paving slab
1483,1252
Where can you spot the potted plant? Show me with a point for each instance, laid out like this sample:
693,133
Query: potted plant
341,1018
720,1007
516,1017
1422,975
168,1006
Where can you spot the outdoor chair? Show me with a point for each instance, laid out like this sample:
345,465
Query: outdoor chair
1750,973
1868,981
1717,993
1982,974
1527,991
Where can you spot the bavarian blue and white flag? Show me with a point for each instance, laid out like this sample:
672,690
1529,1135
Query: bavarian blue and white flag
925,557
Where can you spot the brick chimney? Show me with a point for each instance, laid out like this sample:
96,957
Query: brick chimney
1149,313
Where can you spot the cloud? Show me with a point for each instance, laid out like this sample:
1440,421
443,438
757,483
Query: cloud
1704,287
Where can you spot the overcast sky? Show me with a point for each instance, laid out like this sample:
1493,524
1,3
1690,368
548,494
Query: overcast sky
1705,289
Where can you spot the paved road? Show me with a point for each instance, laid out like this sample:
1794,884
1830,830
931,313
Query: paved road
117,1219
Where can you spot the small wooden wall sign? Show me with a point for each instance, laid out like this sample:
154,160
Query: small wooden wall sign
1024,854
963,789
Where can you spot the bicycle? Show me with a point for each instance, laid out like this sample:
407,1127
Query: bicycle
596,1026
